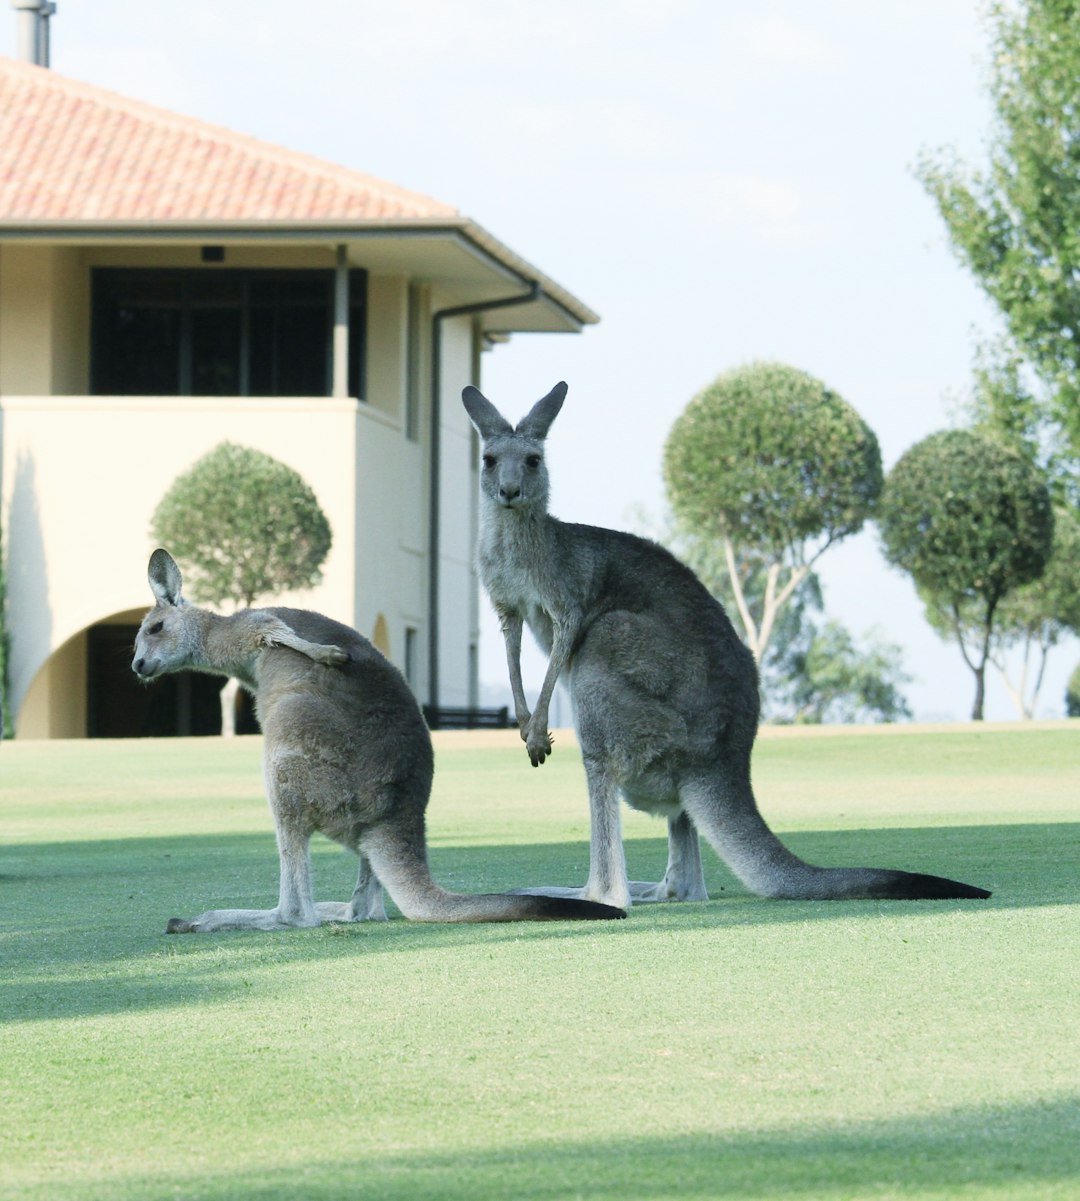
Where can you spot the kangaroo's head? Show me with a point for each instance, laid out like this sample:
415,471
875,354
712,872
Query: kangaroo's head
513,474
169,635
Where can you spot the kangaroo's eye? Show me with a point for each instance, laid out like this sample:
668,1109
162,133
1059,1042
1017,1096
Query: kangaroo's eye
489,462
532,462
156,628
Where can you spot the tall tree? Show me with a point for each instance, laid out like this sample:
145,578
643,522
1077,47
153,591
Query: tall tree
1033,619
970,518
774,468
1015,224
244,525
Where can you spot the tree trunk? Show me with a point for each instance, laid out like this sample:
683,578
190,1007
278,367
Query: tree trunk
980,691
228,707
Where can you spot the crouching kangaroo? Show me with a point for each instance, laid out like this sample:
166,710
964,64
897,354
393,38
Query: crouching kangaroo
346,752
665,693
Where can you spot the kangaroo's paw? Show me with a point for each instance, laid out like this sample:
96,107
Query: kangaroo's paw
537,742
332,656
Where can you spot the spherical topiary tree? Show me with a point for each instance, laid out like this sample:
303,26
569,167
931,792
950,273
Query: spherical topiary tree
970,519
776,467
244,525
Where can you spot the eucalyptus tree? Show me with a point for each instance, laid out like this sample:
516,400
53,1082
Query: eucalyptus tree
1014,221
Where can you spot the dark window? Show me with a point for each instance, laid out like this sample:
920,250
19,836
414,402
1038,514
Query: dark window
221,332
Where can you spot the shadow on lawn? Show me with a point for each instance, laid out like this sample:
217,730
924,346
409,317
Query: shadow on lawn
1027,1150
83,922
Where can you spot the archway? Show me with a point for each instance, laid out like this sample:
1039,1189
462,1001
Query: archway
119,706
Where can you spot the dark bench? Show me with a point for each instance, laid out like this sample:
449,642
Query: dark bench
440,718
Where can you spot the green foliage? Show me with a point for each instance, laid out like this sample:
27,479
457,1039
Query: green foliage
1049,606
1072,694
771,458
970,519
770,467
243,525
1016,223
834,680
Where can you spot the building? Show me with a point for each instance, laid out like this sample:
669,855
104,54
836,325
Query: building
166,285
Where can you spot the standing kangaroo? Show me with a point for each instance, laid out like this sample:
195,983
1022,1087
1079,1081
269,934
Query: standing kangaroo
346,752
665,693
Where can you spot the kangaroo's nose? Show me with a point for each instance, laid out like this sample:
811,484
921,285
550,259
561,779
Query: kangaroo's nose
137,666
509,491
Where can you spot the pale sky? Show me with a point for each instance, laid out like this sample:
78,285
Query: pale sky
721,180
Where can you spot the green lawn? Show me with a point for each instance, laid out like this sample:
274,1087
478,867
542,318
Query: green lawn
735,1049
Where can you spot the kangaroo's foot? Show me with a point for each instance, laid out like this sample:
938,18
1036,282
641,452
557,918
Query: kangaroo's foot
236,919
644,892
347,911
614,896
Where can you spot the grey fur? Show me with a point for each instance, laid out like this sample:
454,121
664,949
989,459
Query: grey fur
346,752
665,693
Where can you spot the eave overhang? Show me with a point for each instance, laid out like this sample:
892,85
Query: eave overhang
454,253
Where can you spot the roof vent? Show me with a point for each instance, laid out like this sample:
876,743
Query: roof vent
33,17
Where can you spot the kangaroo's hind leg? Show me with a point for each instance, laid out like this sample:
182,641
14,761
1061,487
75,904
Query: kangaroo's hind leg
295,906
366,903
684,879
607,883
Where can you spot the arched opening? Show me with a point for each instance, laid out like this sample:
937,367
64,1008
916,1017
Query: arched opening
380,636
86,688
119,706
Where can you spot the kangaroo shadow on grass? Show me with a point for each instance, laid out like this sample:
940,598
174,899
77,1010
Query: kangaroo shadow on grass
998,1148
83,923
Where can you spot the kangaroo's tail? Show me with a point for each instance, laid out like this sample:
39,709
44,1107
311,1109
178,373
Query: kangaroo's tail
401,864
727,815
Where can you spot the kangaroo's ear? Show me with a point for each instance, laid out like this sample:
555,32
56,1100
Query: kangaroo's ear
483,414
537,422
164,577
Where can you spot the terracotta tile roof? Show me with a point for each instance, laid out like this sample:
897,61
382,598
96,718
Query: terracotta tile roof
73,152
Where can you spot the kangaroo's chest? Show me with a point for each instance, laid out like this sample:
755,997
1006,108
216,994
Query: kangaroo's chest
515,579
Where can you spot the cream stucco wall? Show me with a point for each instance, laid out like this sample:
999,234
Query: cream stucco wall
44,316
80,475
83,475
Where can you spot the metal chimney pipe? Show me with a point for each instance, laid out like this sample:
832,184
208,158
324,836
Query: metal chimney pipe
33,30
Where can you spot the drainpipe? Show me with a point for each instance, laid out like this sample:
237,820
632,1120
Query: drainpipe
339,385
435,482
33,30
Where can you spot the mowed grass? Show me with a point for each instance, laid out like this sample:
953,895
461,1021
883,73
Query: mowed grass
740,1048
